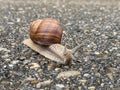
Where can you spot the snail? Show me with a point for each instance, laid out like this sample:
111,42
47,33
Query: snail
45,38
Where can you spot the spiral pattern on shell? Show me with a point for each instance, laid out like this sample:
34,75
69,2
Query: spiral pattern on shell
46,31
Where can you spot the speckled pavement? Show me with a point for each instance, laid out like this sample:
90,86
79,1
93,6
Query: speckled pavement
96,65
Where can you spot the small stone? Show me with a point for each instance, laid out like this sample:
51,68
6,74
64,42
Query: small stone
83,81
118,54
18,74
102,84
34,66
111,86
57,69
80,88
97,53
64,32
106,52
29,79
5,66
5,56
86,59
110,75
38,85
86,75
26,61
108,27
113,48
114,33
20,9
34,81
66,67
102,55
97,74
59,86
112,69
67,74
11,65
10,23
4,49
18,20
118,88
66,89
15,62
7,60
91,88
22,58
86,31
44,83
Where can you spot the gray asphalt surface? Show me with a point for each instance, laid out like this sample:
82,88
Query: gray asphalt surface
98,61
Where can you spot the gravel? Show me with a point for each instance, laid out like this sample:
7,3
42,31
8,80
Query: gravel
98,61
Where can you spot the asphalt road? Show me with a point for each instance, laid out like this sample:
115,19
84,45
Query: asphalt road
98,62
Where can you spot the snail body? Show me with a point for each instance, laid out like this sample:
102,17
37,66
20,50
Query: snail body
46,31
55,52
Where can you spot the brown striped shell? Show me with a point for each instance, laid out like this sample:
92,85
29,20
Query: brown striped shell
46,31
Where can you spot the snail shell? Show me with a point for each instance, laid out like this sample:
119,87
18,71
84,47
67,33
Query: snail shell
46,31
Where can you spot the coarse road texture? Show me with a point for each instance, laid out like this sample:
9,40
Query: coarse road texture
97,63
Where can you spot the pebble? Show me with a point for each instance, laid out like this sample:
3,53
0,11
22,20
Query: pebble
102,84
86,75
18,74
111,86
67,74
110,75
114,33
29,79
34,81
112,69
18,20
15,62
22,58
57,69
35,66
91,88
4,49
80,88
83,81
97,74
11,66
7,60
118,54
5,56
26,61
44,83
96,53
59,86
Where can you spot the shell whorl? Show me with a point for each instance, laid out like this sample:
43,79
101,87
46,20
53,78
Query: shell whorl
46,31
